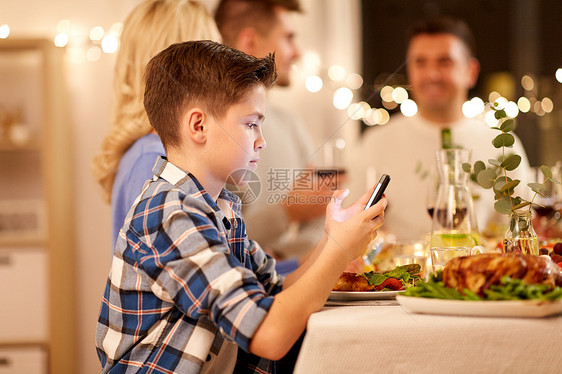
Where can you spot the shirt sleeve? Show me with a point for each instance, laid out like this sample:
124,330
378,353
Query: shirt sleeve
189,264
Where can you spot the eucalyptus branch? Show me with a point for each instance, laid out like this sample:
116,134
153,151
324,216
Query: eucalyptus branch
495,175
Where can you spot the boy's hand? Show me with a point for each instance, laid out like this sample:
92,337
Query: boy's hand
353,228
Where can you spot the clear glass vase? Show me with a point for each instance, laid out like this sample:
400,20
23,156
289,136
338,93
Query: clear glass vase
454,221
520,236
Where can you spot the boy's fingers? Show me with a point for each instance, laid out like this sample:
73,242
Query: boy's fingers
339,195
376,209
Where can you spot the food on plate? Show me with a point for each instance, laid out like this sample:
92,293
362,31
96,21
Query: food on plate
477,273
400,278
494,277
353,282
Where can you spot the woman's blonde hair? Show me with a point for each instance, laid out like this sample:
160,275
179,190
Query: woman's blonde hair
151,27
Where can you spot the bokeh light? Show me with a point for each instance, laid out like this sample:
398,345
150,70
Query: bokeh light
109,44
336,73
511,109
493,96
527,82
354,81
61,39
558,75
96,33
355,111
4,31
342,98
313,83
116,29
490,119
386,93
547,105
409,108
340,143
399,95
524,104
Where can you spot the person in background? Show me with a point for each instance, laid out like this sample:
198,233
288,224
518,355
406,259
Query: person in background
289,230
442,68
188,292
130,149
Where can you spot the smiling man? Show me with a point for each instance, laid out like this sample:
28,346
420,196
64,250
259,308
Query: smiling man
442,68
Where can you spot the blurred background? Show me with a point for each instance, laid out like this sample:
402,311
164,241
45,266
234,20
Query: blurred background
56,71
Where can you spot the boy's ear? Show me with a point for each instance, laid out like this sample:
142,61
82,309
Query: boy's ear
195,123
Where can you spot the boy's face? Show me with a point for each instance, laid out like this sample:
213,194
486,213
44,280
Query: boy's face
236,137
440,71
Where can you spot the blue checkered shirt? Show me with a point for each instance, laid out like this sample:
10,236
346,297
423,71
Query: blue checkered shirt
184,278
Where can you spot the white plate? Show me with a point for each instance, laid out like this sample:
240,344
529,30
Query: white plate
367,295
500,308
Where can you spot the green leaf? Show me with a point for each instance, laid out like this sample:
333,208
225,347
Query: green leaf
503,140
537,187
511,163
521,205
500,182
507,125
479,166
503,205
377,279
510,185
499,114
546,171
494,162
496,128
466,167
486,178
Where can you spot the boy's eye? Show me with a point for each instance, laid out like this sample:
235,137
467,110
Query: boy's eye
252,124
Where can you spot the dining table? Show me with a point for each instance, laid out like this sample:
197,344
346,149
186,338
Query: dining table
382,336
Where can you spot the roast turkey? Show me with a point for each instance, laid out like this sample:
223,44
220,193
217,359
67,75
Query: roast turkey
477,273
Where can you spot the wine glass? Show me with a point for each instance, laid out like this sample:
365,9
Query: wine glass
545,203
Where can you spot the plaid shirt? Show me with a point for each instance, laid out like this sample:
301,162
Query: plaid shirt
184,277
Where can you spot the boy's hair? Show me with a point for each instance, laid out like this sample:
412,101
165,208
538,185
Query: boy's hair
232,16
445,25
199,73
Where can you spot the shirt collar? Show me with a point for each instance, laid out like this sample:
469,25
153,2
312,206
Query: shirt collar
190,185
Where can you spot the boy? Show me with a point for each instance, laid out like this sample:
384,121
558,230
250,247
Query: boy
186,287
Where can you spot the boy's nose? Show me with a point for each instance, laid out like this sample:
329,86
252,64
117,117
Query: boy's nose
260,143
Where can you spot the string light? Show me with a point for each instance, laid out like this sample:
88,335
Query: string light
313,83
409,108
524,104
558,75
342,98
61,40
4,31
511,109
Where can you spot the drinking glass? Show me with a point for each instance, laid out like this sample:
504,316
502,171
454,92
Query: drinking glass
410,252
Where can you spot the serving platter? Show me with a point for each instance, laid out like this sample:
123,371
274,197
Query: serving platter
492,308
367,295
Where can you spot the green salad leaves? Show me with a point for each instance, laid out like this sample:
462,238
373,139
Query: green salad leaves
407,275
508,289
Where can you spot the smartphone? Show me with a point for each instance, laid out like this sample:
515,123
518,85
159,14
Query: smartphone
379,191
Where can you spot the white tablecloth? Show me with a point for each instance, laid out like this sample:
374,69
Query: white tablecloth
387,339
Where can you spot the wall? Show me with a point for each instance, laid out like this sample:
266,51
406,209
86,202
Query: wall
90,89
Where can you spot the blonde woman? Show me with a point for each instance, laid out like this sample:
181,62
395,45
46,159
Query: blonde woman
131,147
